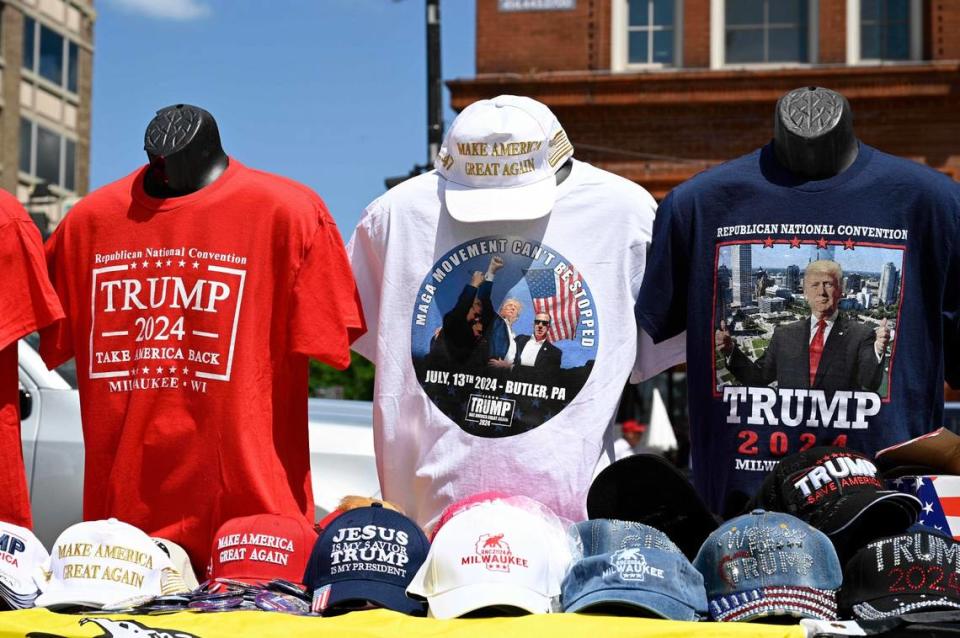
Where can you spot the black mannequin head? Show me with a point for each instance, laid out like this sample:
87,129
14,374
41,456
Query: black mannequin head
183,145
813,133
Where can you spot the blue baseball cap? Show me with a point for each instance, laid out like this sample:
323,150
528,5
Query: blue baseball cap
636,566
769,564
367,556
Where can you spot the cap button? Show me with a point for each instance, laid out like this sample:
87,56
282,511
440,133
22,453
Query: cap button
758,512
376,504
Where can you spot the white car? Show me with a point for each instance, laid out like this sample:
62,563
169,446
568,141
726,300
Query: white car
341,445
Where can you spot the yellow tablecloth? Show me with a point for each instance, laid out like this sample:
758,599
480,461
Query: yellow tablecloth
373,624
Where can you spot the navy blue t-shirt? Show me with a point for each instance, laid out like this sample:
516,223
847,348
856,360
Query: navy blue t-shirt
818,312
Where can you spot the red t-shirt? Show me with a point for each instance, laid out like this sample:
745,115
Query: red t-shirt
191,319
27,303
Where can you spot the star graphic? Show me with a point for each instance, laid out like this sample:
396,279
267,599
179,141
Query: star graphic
937,527
196,264
897,482
146,370
159,369
922,522
159,263
821,243
133,265
795,242
172,369
169,262
768,242
848,245
145,263
928,507
186,370
919,483
181,263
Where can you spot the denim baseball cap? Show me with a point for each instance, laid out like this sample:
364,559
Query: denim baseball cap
769,564
367,555
635,566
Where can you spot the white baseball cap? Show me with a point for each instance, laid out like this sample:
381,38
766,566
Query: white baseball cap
494,554
180,559
100,563
21,553
499,160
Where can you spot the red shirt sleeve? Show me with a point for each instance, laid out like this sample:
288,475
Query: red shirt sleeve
326,314
56,340
27,300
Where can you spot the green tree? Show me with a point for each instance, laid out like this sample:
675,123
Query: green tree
356,382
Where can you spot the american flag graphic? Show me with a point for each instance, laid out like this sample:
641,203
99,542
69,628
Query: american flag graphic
552,296
940,500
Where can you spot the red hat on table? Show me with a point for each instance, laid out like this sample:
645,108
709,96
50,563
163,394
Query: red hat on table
260,548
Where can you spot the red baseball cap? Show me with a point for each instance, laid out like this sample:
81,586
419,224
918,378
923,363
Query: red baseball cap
258,549
632,425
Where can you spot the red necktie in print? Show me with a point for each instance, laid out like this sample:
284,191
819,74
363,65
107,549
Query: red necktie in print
816,349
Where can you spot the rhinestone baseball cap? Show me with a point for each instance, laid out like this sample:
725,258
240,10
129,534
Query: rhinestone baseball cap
769,564
918,571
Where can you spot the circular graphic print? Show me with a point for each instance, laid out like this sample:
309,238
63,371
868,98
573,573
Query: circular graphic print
505,335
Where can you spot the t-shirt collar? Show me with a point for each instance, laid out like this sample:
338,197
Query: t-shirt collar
169,203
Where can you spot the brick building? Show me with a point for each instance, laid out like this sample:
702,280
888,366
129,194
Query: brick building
657,90
47,72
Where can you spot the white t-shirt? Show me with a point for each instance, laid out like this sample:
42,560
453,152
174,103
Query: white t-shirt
448,423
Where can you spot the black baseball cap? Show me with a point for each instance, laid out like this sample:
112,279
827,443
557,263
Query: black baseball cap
913,572
648,489
840,492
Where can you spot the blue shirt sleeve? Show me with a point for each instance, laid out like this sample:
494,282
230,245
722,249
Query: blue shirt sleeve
662,304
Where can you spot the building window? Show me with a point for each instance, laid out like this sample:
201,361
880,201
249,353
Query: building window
650,32
47,156
646,34
72,56
49,54
70,165
759,31
29,30
26,145
885,29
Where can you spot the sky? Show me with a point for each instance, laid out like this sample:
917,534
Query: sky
331,93
860,259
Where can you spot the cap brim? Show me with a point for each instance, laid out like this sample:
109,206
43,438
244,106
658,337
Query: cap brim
463,600
18,587
850,509
659,605
886,607
69,598
385,595
798,602
517,203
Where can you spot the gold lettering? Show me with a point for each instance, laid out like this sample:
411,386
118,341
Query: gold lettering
74,570
476,149
125,576
74,549
483,169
